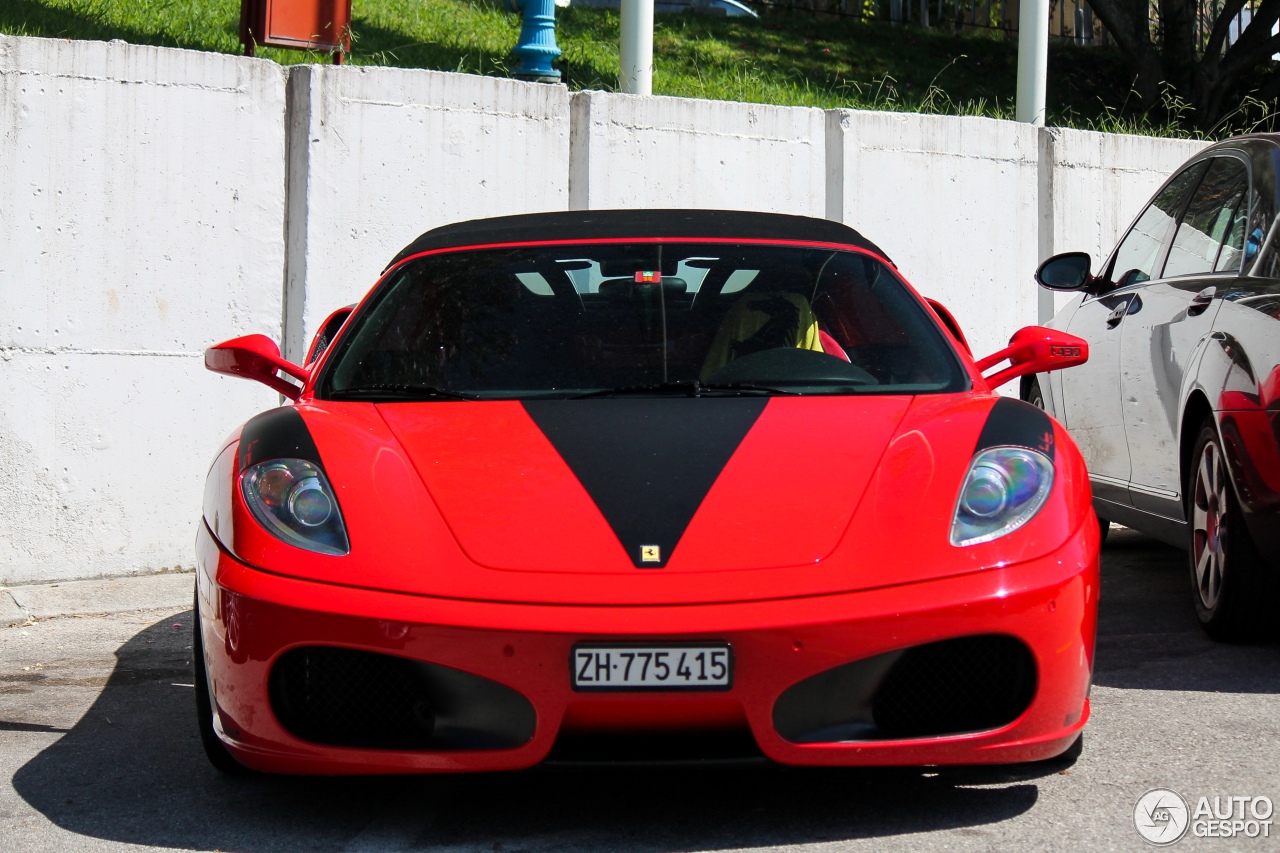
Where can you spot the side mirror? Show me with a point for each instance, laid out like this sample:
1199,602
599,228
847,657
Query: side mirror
1133,277
328,331
256,357
1035,349
1069,271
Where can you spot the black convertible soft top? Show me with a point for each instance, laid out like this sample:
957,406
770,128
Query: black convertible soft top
586,225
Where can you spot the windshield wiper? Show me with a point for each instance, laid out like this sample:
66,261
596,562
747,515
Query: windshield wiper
400,392
689,388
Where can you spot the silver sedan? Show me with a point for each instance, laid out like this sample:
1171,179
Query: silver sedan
1178,409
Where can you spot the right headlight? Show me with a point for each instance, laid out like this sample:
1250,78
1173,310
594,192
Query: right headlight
292,499
1003,490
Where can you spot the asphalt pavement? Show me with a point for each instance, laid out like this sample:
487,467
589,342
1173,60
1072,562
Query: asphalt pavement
98,752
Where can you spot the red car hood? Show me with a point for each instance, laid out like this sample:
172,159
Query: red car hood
745,499
619,485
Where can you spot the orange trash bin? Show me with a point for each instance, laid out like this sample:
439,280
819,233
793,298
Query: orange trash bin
323,25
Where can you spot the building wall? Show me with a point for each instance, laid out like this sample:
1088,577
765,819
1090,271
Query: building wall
142,218
641,151
158,201
379,155
953,201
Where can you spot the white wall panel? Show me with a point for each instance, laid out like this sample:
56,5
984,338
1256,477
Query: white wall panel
634,151
143,219
380,155
953,201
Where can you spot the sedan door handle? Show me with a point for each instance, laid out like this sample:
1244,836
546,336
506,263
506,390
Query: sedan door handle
1201,301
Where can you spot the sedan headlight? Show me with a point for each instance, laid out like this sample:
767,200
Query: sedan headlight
1004,489
292,499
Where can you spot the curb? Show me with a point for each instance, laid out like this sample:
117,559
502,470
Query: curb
10,612
20,605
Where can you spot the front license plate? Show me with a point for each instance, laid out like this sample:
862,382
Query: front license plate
702,666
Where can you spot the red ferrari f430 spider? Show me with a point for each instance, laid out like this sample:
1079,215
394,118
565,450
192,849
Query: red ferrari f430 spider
644,485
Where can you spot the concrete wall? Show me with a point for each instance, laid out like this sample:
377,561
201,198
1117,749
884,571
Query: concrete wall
379,155
142,217
157,201
953,201
631,151
1100,181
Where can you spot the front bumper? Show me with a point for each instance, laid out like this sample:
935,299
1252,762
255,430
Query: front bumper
251,618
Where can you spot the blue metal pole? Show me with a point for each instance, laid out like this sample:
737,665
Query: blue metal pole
536,48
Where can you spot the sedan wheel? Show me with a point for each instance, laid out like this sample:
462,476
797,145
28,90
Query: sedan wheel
1234,594
1209,524
1035,397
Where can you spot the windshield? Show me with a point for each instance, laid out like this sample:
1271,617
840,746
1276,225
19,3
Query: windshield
679,318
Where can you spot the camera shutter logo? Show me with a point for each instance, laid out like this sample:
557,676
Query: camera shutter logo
1161,816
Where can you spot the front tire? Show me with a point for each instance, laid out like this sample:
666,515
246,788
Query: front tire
214,749
1234,593
1034,395
1072,753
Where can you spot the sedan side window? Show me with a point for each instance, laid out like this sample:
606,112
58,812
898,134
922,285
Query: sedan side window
1233,245
1214,222
1261,256
1269,267
1142,248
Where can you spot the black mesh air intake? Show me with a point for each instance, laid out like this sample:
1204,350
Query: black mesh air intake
950,687
346,697
968,684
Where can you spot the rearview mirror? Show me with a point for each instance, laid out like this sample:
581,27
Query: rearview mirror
1068,271
256,357
1035,349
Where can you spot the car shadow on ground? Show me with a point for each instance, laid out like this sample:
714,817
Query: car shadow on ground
1148,635
132,770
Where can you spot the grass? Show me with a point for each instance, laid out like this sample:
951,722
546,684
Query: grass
793,60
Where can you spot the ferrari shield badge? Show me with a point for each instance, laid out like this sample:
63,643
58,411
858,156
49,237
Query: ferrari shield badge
650,554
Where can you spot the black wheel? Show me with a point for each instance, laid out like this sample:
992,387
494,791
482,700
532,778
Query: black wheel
1234,593
1034,396
1072,753
214,749
1104,527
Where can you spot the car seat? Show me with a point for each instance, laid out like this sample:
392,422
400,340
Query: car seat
773,314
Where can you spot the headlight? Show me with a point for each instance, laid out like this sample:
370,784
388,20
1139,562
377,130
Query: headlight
292,499
1004,489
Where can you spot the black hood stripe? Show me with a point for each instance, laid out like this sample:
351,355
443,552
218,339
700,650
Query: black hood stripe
1015,423
647,463
277,434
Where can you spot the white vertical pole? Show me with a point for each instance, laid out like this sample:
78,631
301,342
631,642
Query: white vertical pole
636,47
1033,59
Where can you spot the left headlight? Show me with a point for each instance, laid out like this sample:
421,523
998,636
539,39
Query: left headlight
293,500
1003,490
